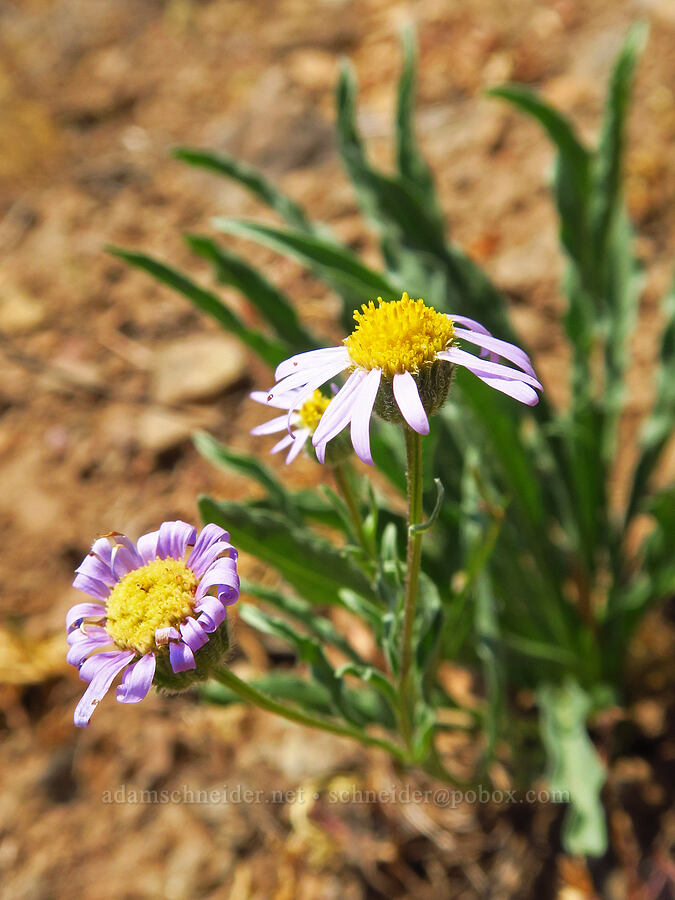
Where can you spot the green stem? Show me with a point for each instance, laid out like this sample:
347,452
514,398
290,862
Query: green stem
252,695
413,446
344,484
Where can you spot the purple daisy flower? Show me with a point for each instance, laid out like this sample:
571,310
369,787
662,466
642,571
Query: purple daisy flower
394,345
299,422
165,595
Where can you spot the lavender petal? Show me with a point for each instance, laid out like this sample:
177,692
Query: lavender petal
408,400
137,680
99,686
362,411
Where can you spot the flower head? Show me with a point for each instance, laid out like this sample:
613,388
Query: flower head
299,422
154,605
400,359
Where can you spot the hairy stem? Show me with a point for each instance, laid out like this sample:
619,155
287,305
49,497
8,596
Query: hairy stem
413,445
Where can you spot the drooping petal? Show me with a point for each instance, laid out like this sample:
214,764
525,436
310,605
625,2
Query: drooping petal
310,360
475,326
174,539
137,680
193,634
338,411
146,546
516,389
278,423
93,663
299,440
503,348
482,367
181,657
209,535
85,644
124,557
469,323
279,401
86,631
199,564
222,572
97,563
299,382
211,613
286,440
362,411
408,400
91,586
99,686
76,614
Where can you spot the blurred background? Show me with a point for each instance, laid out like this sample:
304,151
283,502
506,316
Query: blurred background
104,375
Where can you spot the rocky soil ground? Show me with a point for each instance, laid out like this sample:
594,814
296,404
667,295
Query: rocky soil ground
104,375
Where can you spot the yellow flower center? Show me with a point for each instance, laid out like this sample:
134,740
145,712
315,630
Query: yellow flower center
311,410
157,595
401,336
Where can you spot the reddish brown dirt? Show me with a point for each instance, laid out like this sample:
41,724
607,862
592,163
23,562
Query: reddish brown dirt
92,97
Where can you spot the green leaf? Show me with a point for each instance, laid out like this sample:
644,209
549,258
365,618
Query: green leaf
249,178
427,632
476,524
406,224
309,652
371,676
575,768
303,612
340,267
362,607
658,429
411,164
573,168
316,569
224,458
505,442
269,351
273,304
608,162
278,685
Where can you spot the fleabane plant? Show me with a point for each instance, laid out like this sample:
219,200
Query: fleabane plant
529,576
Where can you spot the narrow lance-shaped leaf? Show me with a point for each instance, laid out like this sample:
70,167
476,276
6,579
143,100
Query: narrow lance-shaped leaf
619,271
609,157
279,685
658,429
224,458
396,208
275,307
309,652
251,179
305,613
268,350
573,167
411,164
314,567
340,267
475,525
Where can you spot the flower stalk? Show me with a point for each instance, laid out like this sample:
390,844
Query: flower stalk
413,445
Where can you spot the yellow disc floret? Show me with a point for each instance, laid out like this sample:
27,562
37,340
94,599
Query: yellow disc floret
158,595
400,336
311,410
